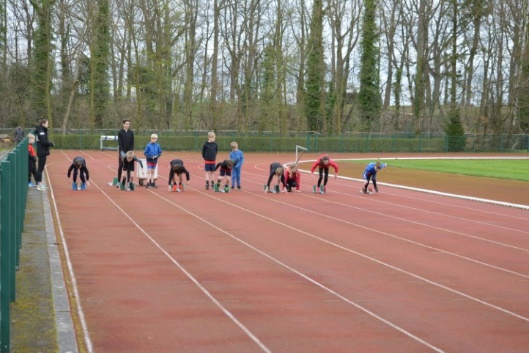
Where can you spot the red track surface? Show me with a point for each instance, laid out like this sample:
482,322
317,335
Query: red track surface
200,271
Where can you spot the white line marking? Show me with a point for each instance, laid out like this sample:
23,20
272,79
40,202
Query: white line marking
80,312
338,295
353,252
189,275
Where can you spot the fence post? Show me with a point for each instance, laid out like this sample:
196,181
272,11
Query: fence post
5,259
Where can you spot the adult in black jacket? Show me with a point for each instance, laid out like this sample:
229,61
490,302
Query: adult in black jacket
125,143
43,150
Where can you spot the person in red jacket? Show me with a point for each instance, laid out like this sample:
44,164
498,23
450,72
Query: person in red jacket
323,163
293,177
32,162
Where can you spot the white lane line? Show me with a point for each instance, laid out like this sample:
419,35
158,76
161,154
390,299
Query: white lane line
318,284
455,291
254,338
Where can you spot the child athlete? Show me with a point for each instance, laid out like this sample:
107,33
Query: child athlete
323,163
277,170
152,152
225,174
79,167
209,154
128,167
238,159
293,177
370,173
32,161
176,175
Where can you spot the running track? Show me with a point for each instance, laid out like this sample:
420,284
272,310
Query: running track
200,271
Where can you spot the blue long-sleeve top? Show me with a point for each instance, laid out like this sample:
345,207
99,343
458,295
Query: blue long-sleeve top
370,169
238,158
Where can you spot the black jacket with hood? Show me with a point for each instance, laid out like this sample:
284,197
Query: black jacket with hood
43,144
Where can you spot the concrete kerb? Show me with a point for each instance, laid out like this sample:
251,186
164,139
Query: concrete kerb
66,336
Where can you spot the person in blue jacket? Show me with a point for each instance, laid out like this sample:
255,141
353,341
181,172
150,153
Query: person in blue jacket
370,174
152,152
238,157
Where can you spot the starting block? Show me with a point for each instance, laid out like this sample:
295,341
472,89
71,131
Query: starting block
320,191
174,188
274,190
132,186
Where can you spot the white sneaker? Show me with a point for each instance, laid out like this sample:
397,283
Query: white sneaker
41,188
178,190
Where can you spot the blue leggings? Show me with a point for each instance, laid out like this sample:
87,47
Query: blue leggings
236,177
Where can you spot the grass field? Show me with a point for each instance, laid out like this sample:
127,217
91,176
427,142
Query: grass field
490,168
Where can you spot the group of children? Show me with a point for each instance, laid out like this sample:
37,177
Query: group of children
288,178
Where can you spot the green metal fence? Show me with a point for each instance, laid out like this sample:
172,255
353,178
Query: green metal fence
13,196
315,142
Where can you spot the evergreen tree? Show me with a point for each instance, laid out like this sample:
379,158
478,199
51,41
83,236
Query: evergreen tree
42,69
523,94
454,130
267,91
314,92
99,85
369,95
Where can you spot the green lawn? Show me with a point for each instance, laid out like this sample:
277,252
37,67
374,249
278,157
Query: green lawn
490,168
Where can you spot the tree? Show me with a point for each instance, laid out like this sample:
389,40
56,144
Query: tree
454,130
99,81
369,95
42,69
523,94
267,90
422,38
314,91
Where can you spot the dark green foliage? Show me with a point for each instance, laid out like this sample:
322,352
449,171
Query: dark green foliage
42,63
523,93
455,132
369,95
100,87
268,86
315,71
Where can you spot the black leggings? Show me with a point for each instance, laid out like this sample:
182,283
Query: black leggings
32,170
40,168
120,167
81,176
322,171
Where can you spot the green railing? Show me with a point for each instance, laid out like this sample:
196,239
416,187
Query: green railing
274,142
13,196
